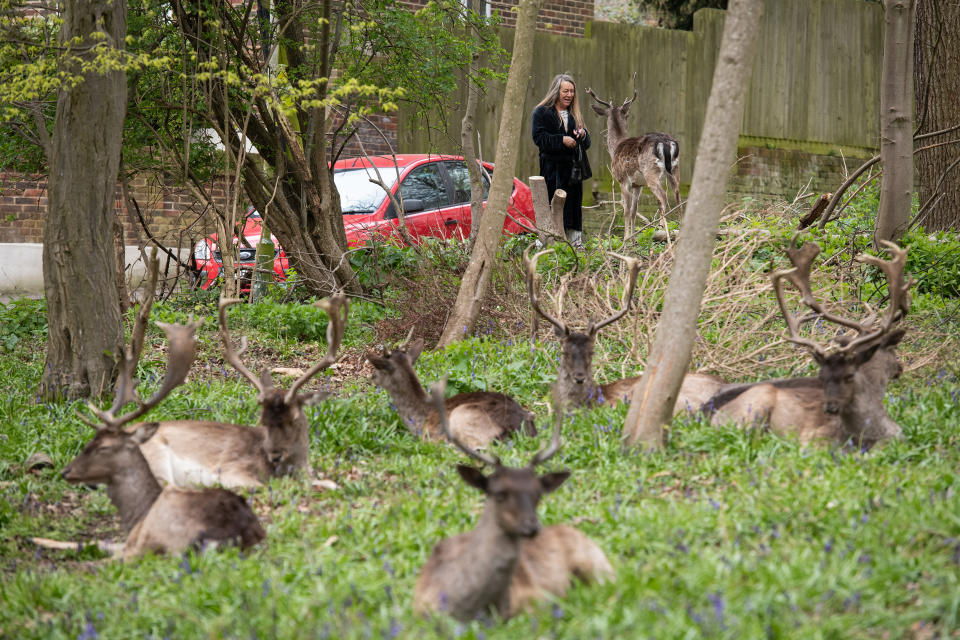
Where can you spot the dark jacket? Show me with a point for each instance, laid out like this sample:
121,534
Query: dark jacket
556,160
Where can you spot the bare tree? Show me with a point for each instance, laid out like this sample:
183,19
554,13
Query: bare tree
85,330
896,120
467,131
936,88
653,399
473,286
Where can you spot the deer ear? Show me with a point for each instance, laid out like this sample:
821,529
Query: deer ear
560,333
600,111
550,481
144,432
473,477
414,350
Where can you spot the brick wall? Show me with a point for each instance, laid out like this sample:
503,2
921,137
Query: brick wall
173,215
782,173
567,17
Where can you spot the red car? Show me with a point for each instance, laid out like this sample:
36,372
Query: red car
436,197
209,263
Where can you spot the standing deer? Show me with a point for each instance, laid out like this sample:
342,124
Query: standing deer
197,452
508,562
635,162
477,417
575,384
155,519
845,403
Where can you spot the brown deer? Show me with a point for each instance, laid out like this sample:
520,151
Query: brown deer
156,519
196,452
575,386
845,403
509,561
476,417
640,161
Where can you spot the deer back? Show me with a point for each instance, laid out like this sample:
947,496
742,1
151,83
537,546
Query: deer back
187,453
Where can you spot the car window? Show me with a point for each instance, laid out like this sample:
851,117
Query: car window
357,193
425,183
461,182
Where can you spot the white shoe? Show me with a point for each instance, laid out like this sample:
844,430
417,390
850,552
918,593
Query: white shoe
574,237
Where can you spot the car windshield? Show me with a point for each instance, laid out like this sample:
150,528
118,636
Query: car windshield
357,193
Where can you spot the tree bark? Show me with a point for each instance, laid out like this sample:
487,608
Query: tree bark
652,402
477,276
85,332
896,120
937,92
467,136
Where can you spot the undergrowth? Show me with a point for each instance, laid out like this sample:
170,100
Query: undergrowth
725,533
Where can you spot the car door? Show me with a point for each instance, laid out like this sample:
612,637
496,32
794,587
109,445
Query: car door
425,196
460,180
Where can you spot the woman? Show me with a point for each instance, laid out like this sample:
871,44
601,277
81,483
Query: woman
559,133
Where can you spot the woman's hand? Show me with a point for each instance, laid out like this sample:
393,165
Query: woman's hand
580,133
569,142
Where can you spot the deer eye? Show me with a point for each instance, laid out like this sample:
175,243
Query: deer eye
500,496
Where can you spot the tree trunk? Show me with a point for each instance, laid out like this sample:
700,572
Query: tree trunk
477,276
467,136
652,402
896,120
937,90
85,332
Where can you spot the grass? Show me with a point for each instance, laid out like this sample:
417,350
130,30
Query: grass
724,534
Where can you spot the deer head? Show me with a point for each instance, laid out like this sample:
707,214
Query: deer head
393,369
281,410
616,115
870,350
513,493
576,357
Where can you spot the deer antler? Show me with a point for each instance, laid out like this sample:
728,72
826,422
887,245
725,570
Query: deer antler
337,307
438,397
533,282
898,287
233,357
594,96
799,275
633,271
182,350
627,103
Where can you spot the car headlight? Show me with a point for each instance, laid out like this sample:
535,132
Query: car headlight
201,251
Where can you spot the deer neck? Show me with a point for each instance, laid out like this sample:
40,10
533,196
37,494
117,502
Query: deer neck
412,404
133,491
489,563
616,133
865,419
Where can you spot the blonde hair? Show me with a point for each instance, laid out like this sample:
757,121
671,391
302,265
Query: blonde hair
553,93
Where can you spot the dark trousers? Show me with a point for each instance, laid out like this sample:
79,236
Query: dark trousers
572,207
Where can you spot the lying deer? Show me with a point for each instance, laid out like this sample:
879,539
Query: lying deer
575,384
845,403
197,452
508,562
638,162
155,519
476,417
